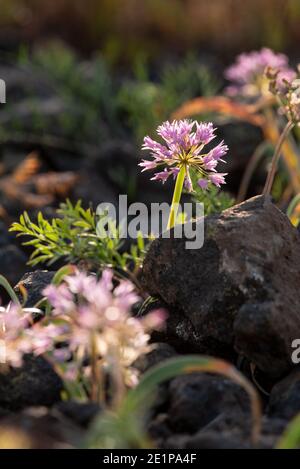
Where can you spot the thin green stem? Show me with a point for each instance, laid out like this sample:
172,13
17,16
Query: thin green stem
269,182
176,197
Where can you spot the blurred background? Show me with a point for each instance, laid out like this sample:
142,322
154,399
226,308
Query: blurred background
88,79
122,29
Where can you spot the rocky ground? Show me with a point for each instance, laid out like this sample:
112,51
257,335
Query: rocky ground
236,298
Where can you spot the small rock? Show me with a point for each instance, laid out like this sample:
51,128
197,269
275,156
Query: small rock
239,292
196,400
34,384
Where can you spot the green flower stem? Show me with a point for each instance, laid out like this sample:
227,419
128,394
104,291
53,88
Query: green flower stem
268,186
176,197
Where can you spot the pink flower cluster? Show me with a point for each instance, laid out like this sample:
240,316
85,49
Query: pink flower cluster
90,320
247,73
184,145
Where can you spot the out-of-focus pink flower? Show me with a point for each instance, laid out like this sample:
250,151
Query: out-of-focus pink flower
60,298
90,322
98,319
247,73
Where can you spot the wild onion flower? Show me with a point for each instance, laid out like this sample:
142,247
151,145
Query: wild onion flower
184,149
98,329
247,73
89,335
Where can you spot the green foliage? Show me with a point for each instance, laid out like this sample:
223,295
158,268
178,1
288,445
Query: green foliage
86,86
74,235
187,80
214,199
81,95
142,102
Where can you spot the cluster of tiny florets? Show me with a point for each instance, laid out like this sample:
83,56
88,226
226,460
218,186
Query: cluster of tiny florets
88,317
184,143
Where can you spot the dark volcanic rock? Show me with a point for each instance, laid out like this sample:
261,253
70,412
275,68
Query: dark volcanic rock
34,283
231,430
197,400
210,404
240,291
35,383
209,411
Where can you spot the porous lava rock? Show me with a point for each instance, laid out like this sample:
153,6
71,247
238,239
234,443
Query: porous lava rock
239,293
